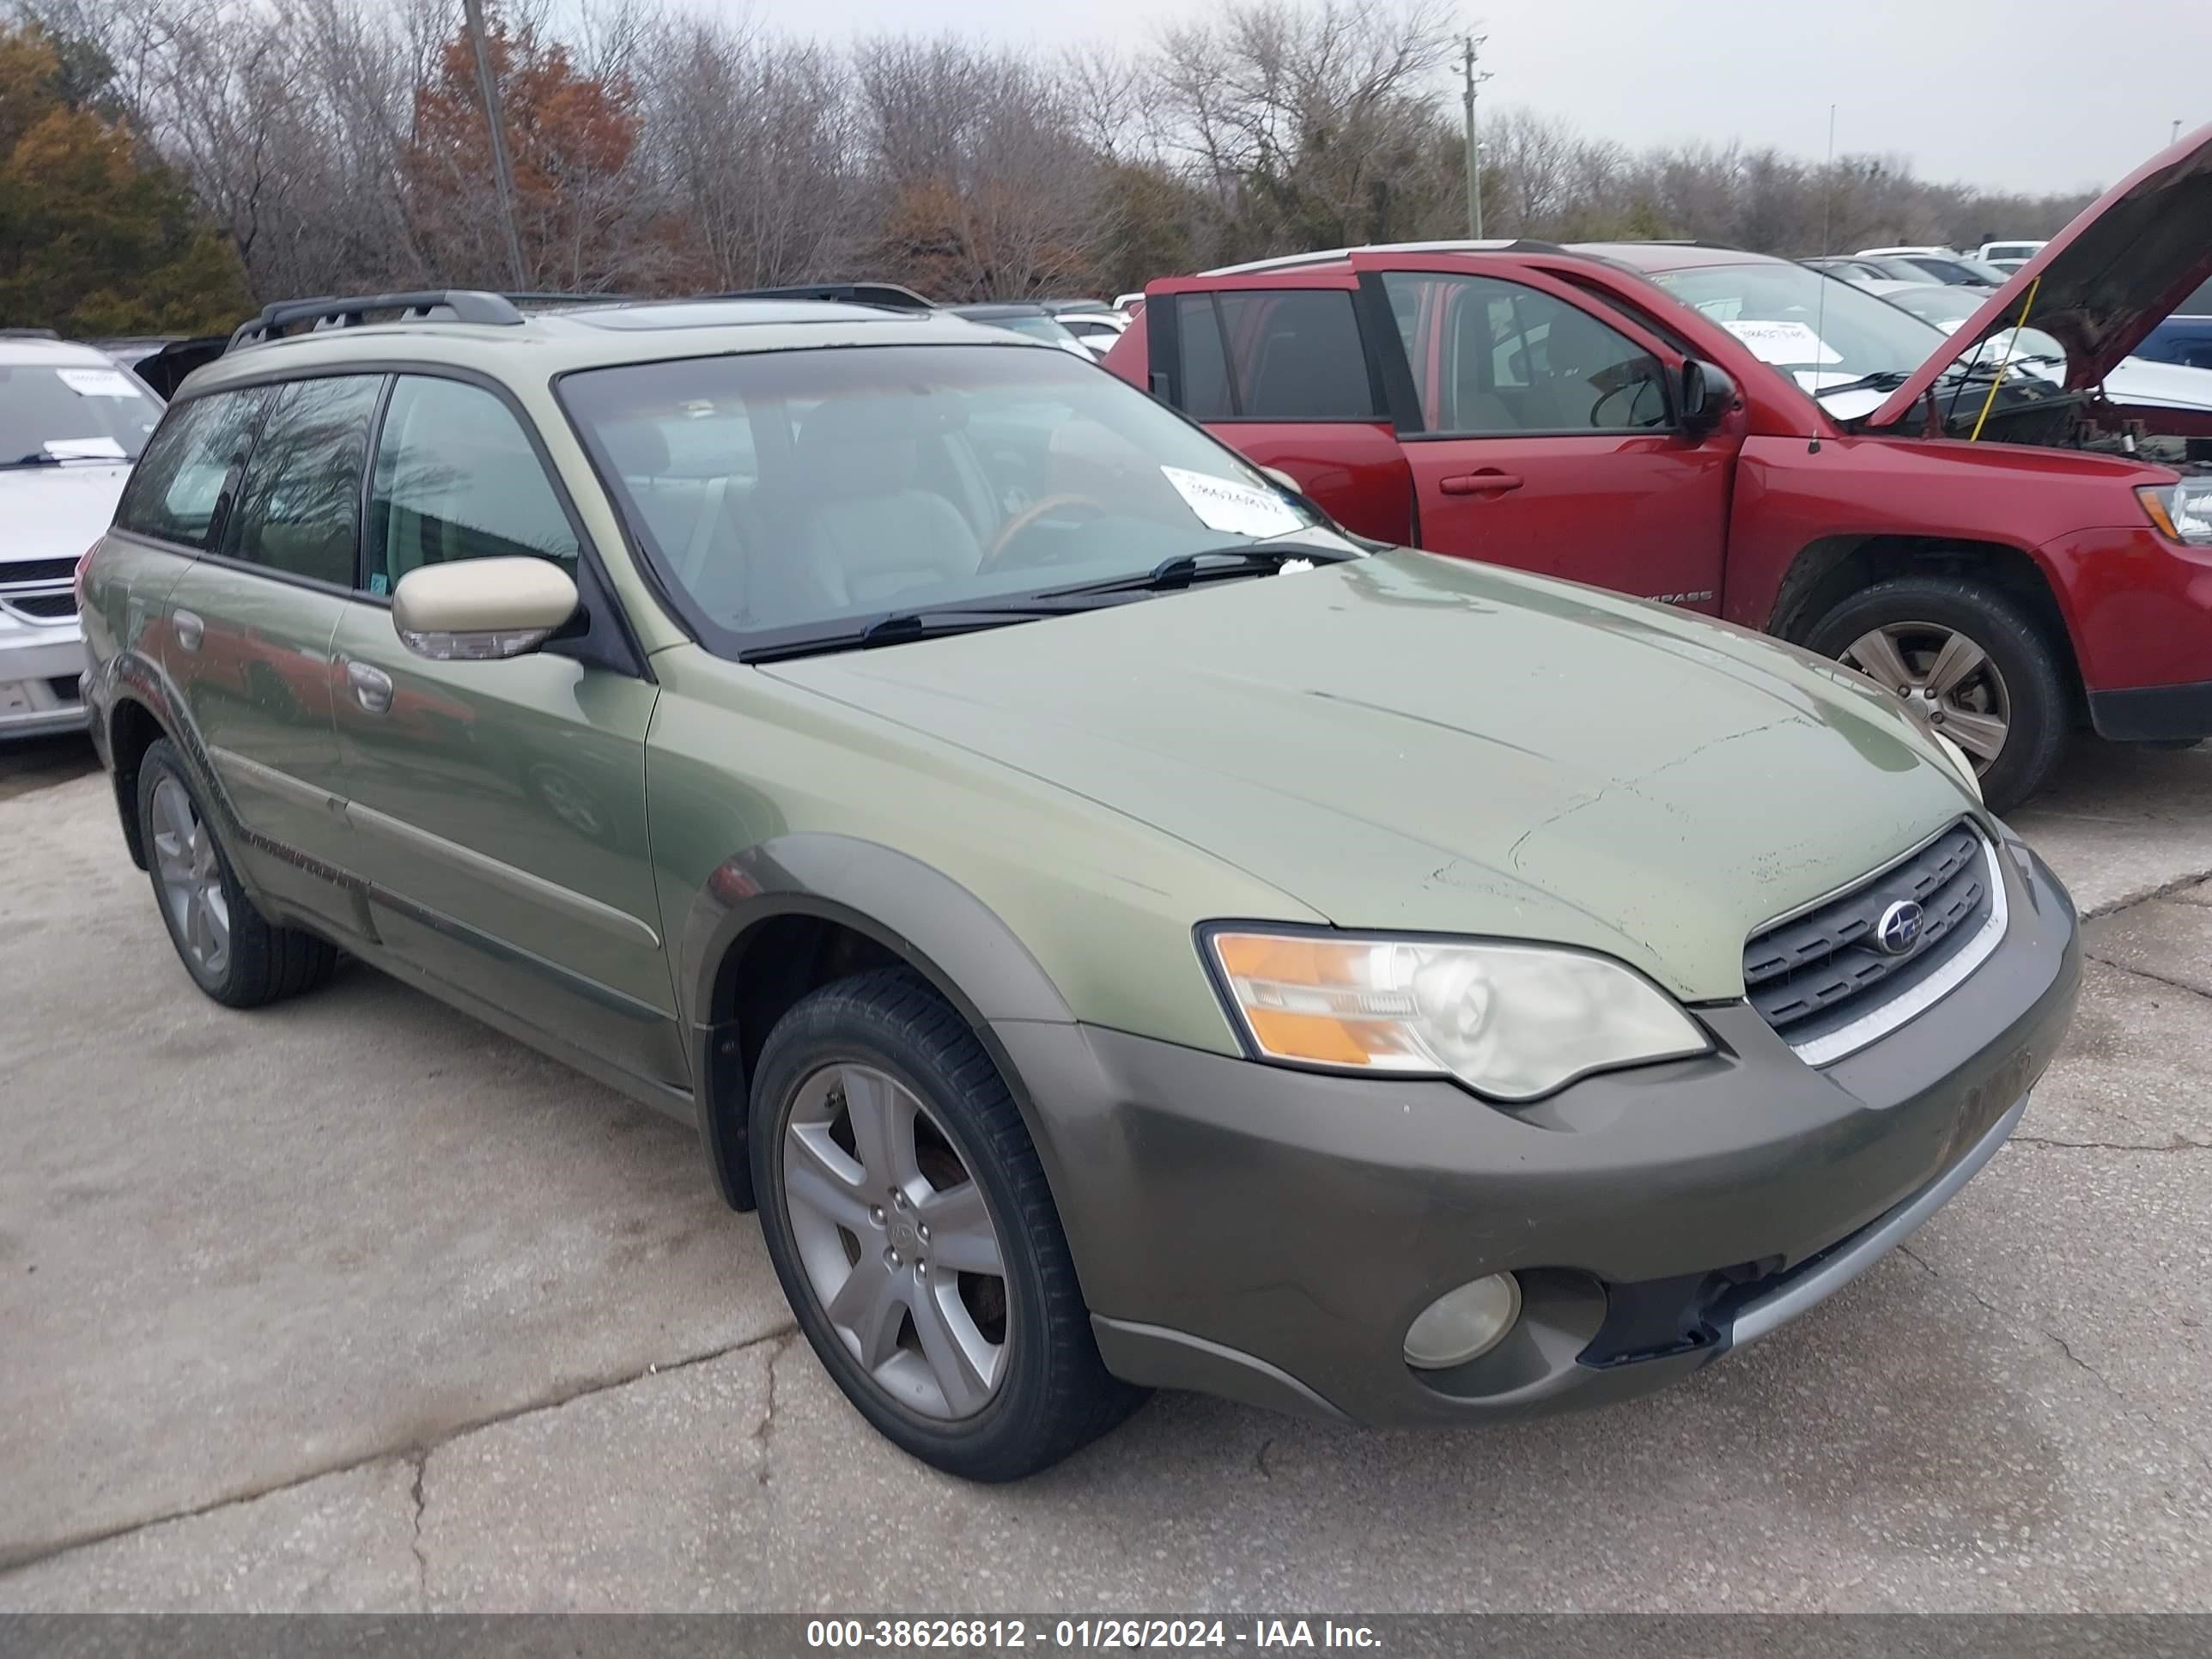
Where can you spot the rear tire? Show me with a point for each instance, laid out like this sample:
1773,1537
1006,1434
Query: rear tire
987,1375
233,952
1897,633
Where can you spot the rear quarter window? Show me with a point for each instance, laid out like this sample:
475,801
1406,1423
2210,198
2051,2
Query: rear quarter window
181,484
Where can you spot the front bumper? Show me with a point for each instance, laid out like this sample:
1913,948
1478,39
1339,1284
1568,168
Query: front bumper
40,671
1269,1234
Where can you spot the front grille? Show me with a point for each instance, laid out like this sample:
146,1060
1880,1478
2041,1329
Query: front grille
42,607
1812,974
34,573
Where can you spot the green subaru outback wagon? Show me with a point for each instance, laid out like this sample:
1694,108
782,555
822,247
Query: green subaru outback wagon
1116,930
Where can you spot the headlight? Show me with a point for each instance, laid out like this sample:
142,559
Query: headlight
1510,1021
2182,511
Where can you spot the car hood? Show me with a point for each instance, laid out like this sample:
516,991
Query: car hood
2140,383
57,512
1407,742
2107,280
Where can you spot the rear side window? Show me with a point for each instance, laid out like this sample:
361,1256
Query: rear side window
178,485
1493,358
456,478
1274,354
299,512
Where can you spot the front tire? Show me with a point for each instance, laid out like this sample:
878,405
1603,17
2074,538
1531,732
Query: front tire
233,952
908,1217
1970,663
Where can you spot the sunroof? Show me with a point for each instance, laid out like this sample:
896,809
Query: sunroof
724,314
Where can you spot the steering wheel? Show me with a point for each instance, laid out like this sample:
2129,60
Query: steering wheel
1035,513
1634,388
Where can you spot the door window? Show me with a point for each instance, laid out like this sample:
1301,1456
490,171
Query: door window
457,478
1493,358
299,512
177,484
1274,354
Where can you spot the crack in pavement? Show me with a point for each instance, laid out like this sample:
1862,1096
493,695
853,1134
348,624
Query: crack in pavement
2178,1144
2146,973
421,1560
760,1435
2143,1414
2164,890
21,1557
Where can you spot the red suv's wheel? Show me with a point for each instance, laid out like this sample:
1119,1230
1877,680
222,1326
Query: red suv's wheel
1970,663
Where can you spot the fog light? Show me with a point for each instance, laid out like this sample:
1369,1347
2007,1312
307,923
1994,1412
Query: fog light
1463,1324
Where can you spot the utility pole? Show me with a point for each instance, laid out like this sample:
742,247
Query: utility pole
502,174
1474,144
2174,137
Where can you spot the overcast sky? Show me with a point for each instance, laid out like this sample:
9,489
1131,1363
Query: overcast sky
2027,94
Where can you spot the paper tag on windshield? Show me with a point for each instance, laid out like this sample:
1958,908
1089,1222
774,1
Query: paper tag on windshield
1782,342
1233,508
85,449
98,382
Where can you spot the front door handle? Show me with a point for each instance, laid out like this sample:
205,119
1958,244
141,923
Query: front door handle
1484,483
189,630
372,687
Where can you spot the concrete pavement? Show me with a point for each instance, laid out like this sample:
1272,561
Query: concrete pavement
352,1303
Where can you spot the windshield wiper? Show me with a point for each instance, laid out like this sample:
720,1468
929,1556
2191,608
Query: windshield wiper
901,626
1887,380
1212,564
36,458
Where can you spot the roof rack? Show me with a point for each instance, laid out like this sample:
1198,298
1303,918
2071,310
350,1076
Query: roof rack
465,305
884,296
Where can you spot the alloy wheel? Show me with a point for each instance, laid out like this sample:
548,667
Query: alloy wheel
1945,678
192,879
896,1242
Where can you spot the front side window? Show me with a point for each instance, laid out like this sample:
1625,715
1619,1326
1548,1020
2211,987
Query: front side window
1274,354
457,478
299,509
177,486
1495,359
862,481
52,414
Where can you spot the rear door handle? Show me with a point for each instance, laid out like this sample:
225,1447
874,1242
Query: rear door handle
1480,483
372,687
189,630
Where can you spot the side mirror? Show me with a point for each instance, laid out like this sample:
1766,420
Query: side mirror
1286,480
1707,395
482,609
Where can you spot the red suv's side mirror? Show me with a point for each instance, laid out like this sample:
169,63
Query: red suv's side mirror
1707,394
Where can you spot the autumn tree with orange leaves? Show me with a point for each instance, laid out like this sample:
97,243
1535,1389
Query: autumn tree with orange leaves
570,137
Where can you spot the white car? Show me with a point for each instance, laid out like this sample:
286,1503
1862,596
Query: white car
72,422
1097,330
1129,304
2136,380
2006,256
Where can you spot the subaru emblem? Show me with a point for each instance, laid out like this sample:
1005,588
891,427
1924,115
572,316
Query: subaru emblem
1898,930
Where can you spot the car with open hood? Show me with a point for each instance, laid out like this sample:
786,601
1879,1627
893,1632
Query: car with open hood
1115,928
2014,552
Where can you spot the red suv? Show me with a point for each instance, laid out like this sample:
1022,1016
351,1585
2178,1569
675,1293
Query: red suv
1962,517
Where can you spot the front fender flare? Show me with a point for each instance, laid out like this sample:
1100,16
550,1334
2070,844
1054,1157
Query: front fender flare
923,916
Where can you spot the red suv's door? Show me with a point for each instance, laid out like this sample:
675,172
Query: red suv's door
1541,431
1281,366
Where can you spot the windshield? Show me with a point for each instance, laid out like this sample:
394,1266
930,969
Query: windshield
782,493
72,412
1823,333
1036,327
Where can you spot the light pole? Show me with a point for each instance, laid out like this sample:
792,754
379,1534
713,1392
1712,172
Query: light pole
502,174
1474,144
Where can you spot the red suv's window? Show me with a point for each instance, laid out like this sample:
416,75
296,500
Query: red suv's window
1493,358
1273,355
